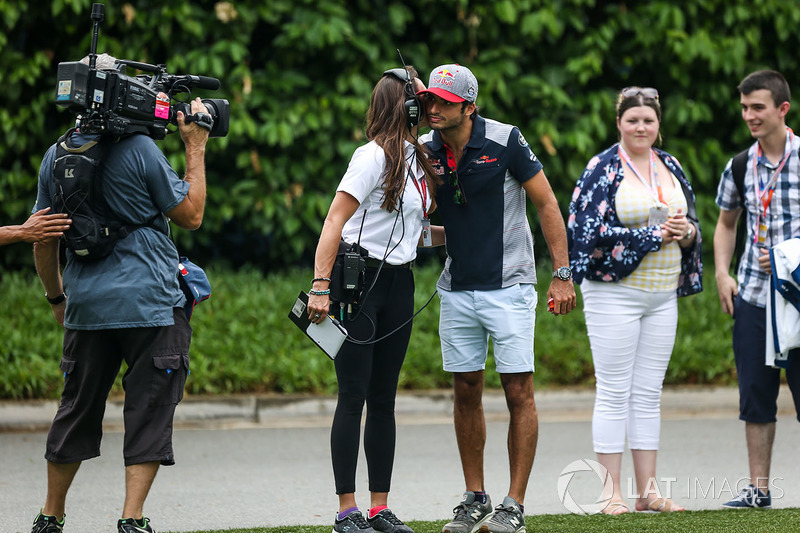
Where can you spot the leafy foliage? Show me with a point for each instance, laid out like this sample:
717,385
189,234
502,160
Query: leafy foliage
298,74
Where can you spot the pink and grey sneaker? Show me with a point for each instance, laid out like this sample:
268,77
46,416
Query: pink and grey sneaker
386,522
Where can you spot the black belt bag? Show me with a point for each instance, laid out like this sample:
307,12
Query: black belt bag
347,276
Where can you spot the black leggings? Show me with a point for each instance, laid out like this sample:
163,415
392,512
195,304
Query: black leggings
369,373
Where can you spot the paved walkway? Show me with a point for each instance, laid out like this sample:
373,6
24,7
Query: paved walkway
264,461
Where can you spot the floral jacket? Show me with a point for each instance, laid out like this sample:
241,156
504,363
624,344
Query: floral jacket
601,248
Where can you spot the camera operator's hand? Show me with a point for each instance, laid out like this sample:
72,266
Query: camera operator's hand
189,213
192,134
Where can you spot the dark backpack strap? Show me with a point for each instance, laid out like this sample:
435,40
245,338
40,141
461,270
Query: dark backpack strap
66,135
96,196
98,199
738,170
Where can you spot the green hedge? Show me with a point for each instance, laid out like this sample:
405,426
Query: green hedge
244,342
298,74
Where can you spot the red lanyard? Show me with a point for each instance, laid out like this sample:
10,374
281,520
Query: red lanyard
655,181
423,191
765,195
423,194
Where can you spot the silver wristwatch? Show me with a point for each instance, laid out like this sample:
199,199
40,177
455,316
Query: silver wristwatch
563,273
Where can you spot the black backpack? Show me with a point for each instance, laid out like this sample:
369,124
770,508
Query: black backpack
78,175
738,170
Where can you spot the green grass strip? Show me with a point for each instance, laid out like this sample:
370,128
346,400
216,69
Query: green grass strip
748,520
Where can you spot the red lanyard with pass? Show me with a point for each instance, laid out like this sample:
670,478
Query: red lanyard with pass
765,195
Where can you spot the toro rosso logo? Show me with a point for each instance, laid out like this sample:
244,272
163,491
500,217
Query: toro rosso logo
438,168
443,76
485,159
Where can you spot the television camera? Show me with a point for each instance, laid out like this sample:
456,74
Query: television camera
111,102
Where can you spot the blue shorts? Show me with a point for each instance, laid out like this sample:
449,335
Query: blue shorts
468,318
759,384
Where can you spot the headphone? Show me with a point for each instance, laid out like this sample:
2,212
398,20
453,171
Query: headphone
412,103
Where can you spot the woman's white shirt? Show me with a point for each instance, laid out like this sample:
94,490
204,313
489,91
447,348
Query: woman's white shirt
396,233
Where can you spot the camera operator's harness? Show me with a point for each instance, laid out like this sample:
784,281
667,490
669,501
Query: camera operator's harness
78,177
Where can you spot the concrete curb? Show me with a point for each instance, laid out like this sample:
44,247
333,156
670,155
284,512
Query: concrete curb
419,407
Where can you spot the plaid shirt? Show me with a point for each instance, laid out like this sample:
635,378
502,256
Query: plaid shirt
782,218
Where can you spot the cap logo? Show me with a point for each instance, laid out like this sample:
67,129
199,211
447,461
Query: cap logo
456,80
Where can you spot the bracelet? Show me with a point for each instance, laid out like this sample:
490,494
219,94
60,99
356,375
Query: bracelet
321,279
57,300
319,293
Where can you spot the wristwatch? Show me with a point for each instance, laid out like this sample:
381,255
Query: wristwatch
689,233
563,273
57,300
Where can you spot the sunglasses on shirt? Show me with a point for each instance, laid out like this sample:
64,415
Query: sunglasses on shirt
647,92
458,195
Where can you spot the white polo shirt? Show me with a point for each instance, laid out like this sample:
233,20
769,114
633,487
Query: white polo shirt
396,233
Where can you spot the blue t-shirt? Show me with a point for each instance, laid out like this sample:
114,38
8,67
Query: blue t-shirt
488,239
137,285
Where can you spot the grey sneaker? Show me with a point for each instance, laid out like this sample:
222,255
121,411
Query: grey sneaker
507,518
469,515
387,522
352,523
47,524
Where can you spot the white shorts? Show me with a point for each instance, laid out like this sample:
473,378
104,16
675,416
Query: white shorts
468,318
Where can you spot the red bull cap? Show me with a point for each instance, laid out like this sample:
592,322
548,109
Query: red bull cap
454,83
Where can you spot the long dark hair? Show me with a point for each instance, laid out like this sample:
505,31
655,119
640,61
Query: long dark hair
387,125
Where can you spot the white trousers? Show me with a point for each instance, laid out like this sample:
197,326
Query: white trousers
631,333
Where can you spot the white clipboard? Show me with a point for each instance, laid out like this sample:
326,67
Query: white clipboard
328,335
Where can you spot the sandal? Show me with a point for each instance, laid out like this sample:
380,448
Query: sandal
616,507
661,505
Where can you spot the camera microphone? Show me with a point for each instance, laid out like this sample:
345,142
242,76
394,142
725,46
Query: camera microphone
98,12
188,80
201,82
